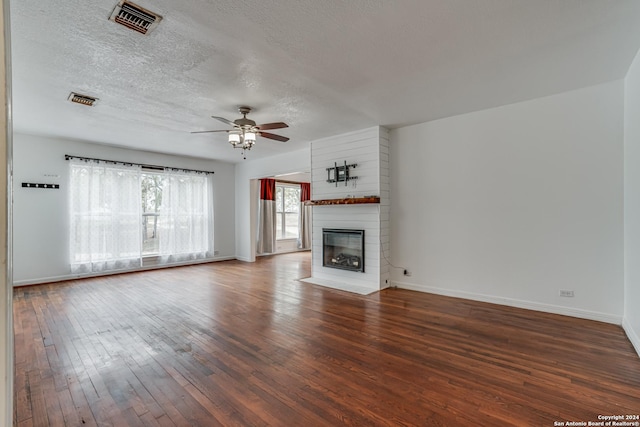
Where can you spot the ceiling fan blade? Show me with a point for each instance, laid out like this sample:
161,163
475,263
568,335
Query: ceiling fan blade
209,131
276,125
273,136
223,120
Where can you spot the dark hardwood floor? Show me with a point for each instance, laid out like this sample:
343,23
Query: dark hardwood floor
237,344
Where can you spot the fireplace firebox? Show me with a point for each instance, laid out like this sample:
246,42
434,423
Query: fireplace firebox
343,249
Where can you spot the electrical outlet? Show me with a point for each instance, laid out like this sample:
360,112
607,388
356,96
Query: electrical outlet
566,293
407,272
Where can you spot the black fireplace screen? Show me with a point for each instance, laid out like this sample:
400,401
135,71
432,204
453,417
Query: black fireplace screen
343,249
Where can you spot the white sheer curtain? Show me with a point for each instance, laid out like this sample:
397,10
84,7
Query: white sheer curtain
105,206
185,224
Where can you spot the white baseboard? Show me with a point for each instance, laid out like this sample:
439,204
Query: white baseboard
530,305
41,280
631,334
65,277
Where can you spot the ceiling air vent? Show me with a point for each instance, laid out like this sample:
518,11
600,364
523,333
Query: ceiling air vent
135,17
82,99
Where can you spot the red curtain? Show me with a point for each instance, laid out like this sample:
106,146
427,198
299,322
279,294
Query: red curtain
267,189
305,191
304,223
266,238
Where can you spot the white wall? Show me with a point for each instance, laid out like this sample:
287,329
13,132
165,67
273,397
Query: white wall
246,203
41,219
511,204
631,321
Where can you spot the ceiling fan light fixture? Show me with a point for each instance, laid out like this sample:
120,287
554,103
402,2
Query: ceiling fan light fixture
234,139
249,139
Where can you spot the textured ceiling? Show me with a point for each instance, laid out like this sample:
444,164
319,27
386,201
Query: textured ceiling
324,67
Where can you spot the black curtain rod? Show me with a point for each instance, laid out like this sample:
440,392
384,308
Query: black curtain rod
115,162
290,182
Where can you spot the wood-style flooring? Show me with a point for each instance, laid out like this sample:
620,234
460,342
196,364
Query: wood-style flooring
238,344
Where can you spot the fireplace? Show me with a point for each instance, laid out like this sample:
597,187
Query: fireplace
343,249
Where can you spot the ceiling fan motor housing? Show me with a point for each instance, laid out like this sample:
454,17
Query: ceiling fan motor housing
244,122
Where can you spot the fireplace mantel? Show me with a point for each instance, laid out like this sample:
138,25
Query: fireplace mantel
345,201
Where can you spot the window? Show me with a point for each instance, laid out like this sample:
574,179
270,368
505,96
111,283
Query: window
185,223
120,213
175,215
104,217
151,202
287,211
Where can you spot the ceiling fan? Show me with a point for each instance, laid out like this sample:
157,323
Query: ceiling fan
244,131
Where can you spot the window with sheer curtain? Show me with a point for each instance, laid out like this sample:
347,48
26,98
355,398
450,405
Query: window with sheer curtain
105,216
185,220
110,218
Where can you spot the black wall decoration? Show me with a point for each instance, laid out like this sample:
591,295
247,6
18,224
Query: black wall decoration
32,185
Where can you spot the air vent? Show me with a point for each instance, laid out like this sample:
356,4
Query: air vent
82,99
135,17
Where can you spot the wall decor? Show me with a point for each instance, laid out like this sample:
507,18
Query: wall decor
33,185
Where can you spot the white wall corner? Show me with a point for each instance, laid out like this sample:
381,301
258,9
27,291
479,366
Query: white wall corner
631,334
631,321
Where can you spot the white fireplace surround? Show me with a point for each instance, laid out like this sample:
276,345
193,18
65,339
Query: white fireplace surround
369,149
